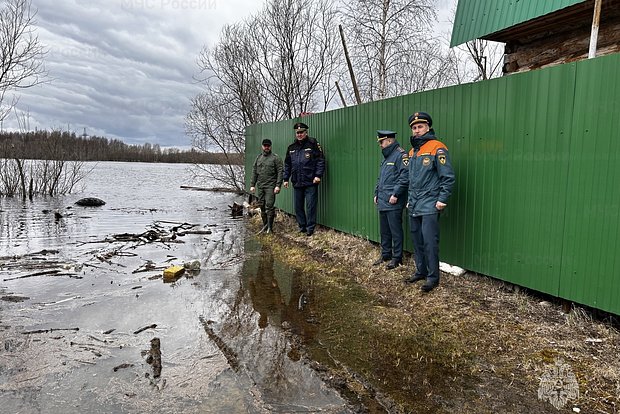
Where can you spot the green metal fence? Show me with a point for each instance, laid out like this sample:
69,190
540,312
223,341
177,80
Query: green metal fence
536,155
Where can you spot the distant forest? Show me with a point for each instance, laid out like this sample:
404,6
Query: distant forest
66,146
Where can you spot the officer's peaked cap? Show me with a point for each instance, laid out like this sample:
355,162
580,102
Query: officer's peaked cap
419,117
300,126
383,134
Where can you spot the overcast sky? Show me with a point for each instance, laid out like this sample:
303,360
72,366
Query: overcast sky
124,68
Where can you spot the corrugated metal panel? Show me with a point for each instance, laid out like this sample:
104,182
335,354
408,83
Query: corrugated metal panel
590,260
493,131
536,155
477,18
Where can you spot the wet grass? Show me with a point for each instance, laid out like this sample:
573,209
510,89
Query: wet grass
374,346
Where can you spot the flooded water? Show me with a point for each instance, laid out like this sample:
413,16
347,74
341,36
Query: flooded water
83,302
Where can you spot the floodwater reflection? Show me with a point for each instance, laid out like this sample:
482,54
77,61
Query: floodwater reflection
264,291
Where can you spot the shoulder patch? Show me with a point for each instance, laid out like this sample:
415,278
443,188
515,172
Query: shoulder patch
405,157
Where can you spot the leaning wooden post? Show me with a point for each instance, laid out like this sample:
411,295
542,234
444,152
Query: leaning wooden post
596,21
344,103
346,55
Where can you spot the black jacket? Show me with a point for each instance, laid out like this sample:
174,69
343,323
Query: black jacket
304,161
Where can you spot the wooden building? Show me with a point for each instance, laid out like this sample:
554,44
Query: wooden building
541,33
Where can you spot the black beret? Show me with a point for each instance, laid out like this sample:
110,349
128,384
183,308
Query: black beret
419,117
383,134
266,141
300,126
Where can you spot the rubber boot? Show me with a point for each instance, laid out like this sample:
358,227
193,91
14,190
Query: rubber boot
264,217
269,225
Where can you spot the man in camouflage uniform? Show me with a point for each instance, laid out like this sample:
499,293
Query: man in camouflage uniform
266,181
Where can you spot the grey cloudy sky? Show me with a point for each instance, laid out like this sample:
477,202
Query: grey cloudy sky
124,68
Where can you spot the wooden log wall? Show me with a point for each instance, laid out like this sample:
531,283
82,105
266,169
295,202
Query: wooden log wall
563,44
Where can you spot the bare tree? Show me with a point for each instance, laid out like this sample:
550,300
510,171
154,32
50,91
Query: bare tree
21,53
214,124
297,47
393,51
272,66
487,58
233,98
477,59
231,69
28,177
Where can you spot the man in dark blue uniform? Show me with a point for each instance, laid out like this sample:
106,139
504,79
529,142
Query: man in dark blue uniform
390,198
431,179
304,166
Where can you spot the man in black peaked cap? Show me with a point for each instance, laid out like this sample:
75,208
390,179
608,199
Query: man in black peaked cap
304,166
390,198
431,179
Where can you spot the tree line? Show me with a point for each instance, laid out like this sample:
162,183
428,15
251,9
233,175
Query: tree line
67,146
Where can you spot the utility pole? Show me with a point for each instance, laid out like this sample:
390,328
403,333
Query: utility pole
344,103
346,55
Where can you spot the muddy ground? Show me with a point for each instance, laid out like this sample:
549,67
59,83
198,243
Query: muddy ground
474,344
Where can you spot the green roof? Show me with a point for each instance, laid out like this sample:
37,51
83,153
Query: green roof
476,19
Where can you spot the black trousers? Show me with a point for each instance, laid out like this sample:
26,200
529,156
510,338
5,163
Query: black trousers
305,201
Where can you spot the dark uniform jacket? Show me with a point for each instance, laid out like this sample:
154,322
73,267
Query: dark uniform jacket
393,178
304,161
431,176
267,171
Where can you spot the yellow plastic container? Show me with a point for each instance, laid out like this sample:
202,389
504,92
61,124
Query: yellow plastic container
173,272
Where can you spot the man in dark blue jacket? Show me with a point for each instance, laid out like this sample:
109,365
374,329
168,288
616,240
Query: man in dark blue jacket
431,179
390,198
304,166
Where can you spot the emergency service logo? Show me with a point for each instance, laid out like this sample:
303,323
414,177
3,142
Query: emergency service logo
558,385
